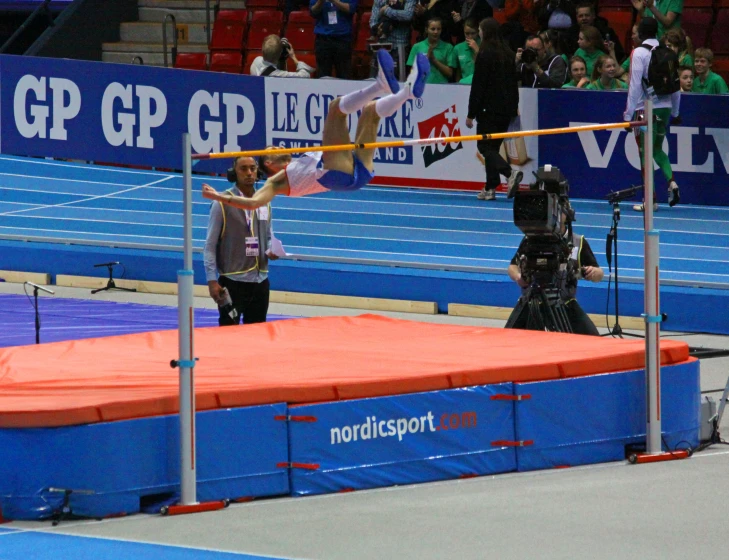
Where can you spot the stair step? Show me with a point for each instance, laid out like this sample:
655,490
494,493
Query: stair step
141,48
185,11
149,58
181,16
151,32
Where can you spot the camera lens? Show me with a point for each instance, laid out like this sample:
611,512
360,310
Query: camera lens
528,56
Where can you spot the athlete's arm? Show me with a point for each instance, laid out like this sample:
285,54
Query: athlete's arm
278,184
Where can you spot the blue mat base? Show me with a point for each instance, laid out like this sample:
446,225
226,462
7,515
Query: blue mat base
402,439
592,419
688,309
119,467
115,467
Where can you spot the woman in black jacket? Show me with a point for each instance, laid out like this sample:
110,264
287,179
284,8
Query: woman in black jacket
493,102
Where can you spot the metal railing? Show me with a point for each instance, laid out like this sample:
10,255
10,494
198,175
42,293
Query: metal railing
174,39
216,9
43,9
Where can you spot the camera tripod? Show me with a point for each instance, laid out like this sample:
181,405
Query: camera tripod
110,285
540,309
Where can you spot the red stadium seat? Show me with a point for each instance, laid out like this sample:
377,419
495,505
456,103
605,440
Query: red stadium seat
233,16
253,4
250,57
697,3
696,22
228,37
621,20
270,17
192,61
365,5
223,61
301,37
500,15
720,34
363,32
301,17
263,24
721,67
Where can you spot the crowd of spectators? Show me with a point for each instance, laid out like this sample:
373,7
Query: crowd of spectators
567,43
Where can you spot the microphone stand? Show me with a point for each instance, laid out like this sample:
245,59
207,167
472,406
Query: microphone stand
37,316
36,287
617,330
110,285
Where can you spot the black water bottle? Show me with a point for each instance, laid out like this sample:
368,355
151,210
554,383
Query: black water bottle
227,305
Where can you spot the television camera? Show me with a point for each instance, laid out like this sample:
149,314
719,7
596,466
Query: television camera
545,216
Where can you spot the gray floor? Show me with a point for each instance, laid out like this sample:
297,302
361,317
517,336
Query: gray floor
667,510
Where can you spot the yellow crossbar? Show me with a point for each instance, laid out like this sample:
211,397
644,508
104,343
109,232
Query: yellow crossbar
420,141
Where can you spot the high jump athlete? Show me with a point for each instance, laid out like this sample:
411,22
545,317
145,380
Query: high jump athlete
316,172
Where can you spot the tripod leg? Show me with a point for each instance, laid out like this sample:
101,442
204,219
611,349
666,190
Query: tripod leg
536,319
516,320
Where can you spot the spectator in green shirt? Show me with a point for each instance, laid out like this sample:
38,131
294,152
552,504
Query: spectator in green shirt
591,44
666,12
437,51
463,54
603,75
578,73
686,78
706,81
675,39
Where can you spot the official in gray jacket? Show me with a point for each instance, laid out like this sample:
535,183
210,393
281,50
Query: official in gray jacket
237,251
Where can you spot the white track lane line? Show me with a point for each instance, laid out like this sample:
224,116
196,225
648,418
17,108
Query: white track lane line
354,201
292,208
383,188
43,207
369,226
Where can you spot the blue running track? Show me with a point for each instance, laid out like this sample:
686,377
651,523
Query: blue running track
36,545
447,230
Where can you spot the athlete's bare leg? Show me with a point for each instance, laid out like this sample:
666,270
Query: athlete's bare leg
369,121
336,131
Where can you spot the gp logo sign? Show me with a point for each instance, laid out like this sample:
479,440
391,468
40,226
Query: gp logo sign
40,94
127,114
130,113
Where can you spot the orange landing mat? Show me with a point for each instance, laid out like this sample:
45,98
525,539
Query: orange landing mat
293,361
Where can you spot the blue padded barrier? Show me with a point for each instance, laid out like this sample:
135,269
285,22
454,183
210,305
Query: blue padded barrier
124,462
420,437
591,419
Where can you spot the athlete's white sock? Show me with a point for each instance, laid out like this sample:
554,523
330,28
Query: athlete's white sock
353,102
388,105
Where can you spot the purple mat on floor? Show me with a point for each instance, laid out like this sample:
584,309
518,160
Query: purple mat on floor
74,319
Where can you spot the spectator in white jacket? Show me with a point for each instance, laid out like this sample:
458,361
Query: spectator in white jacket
268,64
